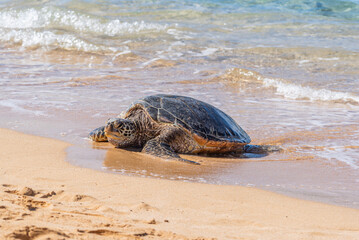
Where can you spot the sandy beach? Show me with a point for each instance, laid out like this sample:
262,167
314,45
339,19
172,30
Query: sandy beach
44,197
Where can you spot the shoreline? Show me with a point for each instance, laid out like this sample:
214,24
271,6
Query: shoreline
307,179
42,195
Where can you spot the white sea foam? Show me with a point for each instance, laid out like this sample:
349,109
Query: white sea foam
51,27
150,61
32,39
208,51
291,90
341,154
52,17
179,35
294,91
16,106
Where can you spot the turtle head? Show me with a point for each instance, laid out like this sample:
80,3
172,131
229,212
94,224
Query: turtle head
121,132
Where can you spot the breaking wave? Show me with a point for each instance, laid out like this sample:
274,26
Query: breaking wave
51,27
33,39
290,90
293,91
51,17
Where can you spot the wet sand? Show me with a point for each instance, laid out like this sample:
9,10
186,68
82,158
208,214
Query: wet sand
42,196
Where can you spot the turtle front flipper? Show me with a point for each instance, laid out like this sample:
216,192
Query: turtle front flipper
261,149
98,135
158,148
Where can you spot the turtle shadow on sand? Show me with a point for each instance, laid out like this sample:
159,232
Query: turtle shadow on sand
168,125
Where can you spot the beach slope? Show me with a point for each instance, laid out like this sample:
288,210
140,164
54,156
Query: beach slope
42,196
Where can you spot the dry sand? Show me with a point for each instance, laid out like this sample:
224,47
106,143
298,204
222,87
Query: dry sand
44,197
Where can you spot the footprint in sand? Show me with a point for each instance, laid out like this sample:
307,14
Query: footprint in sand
32,205
33,232
26,197
136,233
114,234
68,197
26,191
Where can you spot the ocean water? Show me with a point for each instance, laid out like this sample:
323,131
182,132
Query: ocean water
286,71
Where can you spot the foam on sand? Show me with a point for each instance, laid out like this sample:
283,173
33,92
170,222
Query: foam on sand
16,106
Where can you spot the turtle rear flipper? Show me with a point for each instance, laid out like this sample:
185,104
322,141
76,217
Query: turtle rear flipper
98,135
261,149
158,148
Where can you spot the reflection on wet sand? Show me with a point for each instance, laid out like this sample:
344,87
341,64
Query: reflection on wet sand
295,170
302,169
132,162
294,174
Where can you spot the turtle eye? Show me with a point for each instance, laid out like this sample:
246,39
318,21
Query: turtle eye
117,124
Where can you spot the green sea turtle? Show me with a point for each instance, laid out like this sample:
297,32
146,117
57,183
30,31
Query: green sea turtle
165,125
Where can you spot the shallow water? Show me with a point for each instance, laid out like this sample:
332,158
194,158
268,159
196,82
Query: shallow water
286,71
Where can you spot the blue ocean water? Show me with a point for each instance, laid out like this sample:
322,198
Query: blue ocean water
221,32
338,9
